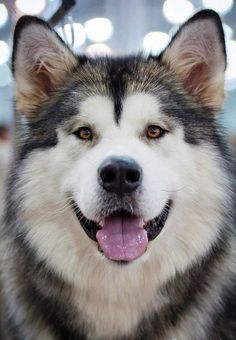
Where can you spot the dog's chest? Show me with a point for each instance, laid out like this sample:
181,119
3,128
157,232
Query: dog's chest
115,311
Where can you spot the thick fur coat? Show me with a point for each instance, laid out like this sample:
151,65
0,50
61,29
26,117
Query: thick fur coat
60,281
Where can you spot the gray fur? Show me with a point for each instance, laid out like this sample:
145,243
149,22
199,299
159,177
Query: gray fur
197,303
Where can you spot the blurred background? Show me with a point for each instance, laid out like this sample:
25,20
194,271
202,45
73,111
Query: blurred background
99,27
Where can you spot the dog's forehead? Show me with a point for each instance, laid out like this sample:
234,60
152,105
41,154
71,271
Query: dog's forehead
135,108
117,78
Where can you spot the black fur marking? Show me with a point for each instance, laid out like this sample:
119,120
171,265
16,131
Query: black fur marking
186,289
198,121
54,313
42,133
120,69
10,329
31,145
46,295
225,318
116,72
90,227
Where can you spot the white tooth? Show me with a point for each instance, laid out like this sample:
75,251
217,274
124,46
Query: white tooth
101,223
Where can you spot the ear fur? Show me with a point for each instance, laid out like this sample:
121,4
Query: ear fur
197,55
40,62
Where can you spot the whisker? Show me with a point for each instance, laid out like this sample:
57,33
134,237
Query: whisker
176,190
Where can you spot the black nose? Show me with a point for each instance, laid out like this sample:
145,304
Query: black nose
120,175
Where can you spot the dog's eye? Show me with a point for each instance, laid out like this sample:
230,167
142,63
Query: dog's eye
84,133
154,131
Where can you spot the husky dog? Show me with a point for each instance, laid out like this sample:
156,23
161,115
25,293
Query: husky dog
119,218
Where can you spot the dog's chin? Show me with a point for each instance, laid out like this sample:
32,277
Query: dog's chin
122,236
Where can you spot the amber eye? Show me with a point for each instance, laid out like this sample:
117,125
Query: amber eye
154,131
84,133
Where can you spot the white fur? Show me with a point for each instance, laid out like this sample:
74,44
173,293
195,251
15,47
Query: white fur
190,175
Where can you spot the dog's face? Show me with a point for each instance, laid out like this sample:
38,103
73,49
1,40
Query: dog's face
121,160
121,177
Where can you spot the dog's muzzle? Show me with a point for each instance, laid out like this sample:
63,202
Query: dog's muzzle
123,234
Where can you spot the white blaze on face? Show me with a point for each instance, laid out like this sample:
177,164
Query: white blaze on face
124,139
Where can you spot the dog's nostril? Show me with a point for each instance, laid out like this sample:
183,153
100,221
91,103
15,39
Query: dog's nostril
108,176
132,176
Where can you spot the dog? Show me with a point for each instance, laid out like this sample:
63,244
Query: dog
120,215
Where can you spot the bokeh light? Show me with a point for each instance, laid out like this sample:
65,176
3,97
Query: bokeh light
32,7
231,66
155,42
177,11
4,52
79,34
220,6
6,77
3,15
98,50
99,29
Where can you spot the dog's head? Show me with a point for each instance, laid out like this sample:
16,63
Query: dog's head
121,158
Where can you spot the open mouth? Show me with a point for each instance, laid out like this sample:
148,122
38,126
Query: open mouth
123,236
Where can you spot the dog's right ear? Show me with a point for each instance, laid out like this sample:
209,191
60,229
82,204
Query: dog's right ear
40,62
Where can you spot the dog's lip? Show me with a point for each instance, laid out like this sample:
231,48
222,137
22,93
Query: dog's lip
153,226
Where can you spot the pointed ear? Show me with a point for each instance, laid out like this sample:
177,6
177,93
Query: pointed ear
197,55
40,62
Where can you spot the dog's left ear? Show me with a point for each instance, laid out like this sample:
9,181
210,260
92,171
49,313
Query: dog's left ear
40,62
197,55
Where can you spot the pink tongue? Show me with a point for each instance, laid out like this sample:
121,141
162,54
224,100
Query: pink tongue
123,238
